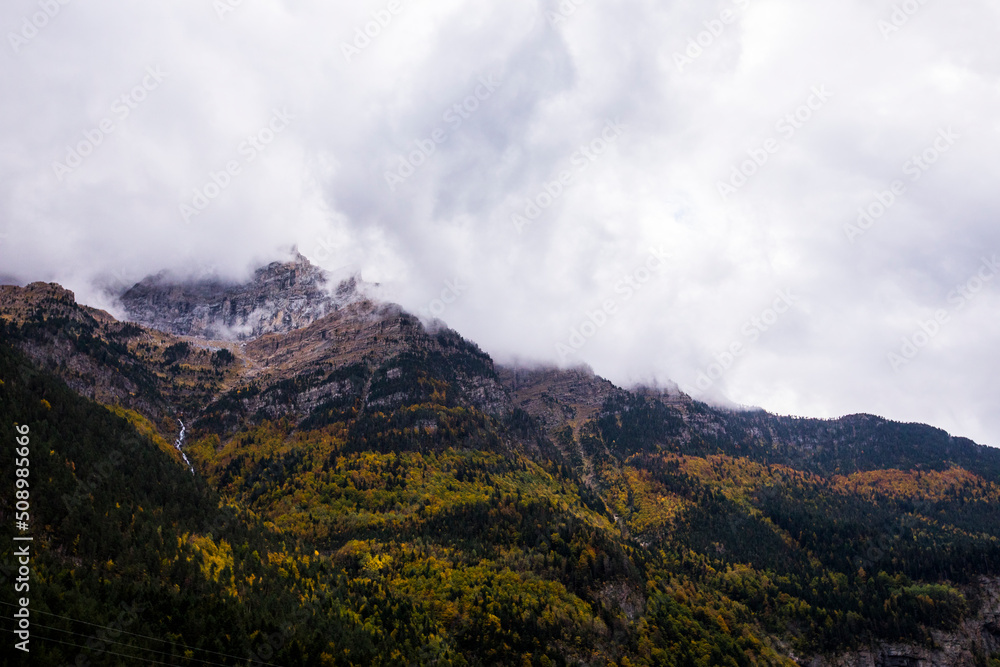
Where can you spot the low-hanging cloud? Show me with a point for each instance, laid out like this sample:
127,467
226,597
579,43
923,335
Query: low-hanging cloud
462,150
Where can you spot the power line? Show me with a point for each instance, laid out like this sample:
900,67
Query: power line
134,634
110,641
123,655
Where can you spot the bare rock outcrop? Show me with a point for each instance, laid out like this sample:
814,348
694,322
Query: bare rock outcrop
279,298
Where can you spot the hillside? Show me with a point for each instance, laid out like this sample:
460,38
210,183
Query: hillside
370,491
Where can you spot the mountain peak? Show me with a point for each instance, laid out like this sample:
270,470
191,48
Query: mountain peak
279,297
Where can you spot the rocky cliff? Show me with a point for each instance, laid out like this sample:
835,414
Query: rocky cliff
976,637
280,297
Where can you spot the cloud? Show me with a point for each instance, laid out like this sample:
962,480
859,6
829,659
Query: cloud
475,113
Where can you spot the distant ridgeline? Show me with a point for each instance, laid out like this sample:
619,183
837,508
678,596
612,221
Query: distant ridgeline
369,491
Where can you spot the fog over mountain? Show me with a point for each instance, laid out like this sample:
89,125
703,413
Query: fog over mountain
766,202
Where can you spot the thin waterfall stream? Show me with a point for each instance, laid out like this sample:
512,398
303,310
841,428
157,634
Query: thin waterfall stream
179,443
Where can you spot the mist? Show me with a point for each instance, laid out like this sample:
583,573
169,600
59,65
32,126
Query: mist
765,203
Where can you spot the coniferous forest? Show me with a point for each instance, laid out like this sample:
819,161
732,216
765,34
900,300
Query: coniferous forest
366,491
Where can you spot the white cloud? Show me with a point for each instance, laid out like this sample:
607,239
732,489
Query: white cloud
321,182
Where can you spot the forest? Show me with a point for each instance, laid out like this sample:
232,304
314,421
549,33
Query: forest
398,523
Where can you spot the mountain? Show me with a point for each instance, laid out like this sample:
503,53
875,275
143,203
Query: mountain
279,297
371,489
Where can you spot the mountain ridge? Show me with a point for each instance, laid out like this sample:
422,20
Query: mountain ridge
279,297
655,529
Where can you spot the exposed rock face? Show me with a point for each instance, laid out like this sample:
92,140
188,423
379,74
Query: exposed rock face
111,362
307,354
279,298
52,298
976,634
367,356
558,397
60,329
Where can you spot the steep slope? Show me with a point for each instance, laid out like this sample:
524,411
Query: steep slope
279,297
654,420
558,398
759,493
157,374
427,506
135,561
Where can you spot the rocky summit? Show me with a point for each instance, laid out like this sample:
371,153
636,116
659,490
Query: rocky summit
369,490
280,297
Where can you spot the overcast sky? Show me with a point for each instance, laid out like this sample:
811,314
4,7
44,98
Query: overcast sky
647,187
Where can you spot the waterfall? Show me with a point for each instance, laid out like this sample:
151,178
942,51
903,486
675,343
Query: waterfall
179,443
